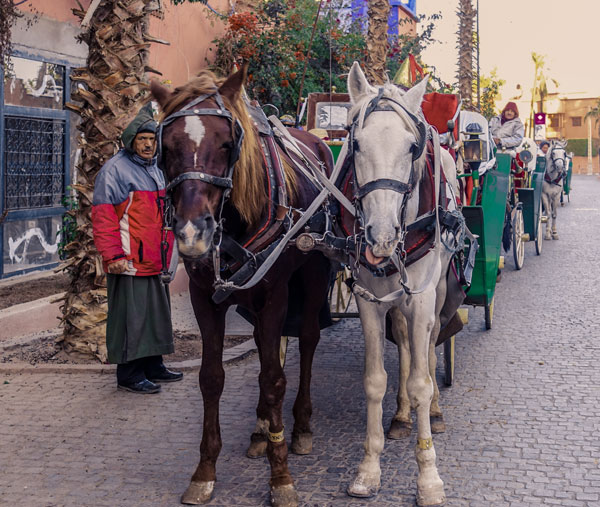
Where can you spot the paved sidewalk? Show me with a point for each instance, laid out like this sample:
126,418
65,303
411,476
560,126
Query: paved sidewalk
523,417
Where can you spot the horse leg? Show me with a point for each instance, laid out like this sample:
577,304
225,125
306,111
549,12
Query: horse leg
368,479
436,417
211,320
547,208
315,278
272,384
421,323
554,213
401,424
259,437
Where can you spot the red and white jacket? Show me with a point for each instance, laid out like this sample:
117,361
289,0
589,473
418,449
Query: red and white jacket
127,214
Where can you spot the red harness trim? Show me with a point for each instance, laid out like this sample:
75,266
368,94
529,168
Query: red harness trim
269,219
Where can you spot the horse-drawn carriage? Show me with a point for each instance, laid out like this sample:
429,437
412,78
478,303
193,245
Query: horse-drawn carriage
259,206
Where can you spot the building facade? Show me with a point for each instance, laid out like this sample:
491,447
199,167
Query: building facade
38,148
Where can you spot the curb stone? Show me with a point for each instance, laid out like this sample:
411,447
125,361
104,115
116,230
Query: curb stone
230,355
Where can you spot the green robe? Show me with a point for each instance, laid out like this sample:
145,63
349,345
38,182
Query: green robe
139,318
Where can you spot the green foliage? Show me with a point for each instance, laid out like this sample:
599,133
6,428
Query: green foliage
68,228
275,40
579,147
490,93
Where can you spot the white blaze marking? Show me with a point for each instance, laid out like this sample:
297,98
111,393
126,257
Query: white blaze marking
190,231
194,128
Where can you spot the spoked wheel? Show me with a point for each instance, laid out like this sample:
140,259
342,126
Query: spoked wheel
539,237
449,361
518,229
489,314
340,295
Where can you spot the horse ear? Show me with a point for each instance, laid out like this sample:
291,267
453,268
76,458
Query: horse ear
358,86
414,97
232,87
160,93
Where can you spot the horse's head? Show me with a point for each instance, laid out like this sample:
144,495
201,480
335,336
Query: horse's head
556,158
388,140
200,143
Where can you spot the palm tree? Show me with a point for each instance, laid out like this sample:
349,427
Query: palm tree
540,88
377,41
109,92
466,20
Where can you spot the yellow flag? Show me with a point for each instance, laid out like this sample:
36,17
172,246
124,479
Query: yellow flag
402,77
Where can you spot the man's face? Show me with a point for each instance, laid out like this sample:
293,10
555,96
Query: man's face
144,145
545,148
509,114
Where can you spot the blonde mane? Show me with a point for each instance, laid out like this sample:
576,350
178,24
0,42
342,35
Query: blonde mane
248,195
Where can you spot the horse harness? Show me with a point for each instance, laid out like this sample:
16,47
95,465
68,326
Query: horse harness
561,172
239,261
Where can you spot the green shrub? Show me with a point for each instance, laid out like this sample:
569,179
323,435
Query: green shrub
579,147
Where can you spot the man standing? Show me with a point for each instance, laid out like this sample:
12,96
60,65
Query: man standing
127,223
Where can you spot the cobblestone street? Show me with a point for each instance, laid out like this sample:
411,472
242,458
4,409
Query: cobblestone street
523,416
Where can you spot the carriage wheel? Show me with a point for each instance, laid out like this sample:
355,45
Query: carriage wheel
449,361
489,314
539,237
283,345
340,295
518,243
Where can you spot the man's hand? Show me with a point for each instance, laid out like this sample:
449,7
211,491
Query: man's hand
117,267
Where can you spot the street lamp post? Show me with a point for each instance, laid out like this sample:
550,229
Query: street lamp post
590,167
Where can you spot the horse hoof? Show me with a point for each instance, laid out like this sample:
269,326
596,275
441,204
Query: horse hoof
437,424
284,496
198,493
258,446
302,443
399,430
364,486
433,495
547,237
554,236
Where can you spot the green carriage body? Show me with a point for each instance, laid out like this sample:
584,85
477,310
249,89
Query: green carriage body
531,199
567,178
487,221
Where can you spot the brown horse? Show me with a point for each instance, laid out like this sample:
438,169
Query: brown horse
211,156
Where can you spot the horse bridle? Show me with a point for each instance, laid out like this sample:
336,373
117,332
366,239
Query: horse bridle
385,183
225,182
561,172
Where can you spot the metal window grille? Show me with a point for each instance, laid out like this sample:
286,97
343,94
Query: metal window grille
33,162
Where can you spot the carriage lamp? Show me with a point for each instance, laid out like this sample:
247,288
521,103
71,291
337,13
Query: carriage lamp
472,150
526,156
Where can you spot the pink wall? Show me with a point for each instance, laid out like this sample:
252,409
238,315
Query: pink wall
60,10
190,29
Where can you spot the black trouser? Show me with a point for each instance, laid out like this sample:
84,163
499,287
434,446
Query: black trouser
139,369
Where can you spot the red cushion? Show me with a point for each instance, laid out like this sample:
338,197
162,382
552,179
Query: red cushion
438,108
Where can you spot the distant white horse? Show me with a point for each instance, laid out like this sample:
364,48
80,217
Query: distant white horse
389,148
556,169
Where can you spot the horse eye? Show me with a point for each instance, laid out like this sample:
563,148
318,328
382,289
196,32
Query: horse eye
227,145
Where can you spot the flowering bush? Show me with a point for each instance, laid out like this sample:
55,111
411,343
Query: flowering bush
275,40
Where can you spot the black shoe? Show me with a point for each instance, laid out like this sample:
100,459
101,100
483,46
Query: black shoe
166,376
141,387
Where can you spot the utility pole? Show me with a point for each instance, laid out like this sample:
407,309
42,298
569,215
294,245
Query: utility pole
590,166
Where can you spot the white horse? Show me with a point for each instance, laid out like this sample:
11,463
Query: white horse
388,143
556,170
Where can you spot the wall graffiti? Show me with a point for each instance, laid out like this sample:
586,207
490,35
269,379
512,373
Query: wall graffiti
24,239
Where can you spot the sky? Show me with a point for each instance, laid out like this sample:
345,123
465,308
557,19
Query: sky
567,33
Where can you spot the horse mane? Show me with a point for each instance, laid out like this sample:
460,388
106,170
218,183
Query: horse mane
248,194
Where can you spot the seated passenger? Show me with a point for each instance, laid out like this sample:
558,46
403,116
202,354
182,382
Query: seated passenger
543,148
507,129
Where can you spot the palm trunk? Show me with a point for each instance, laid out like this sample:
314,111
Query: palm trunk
466,16
377,41
110,91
